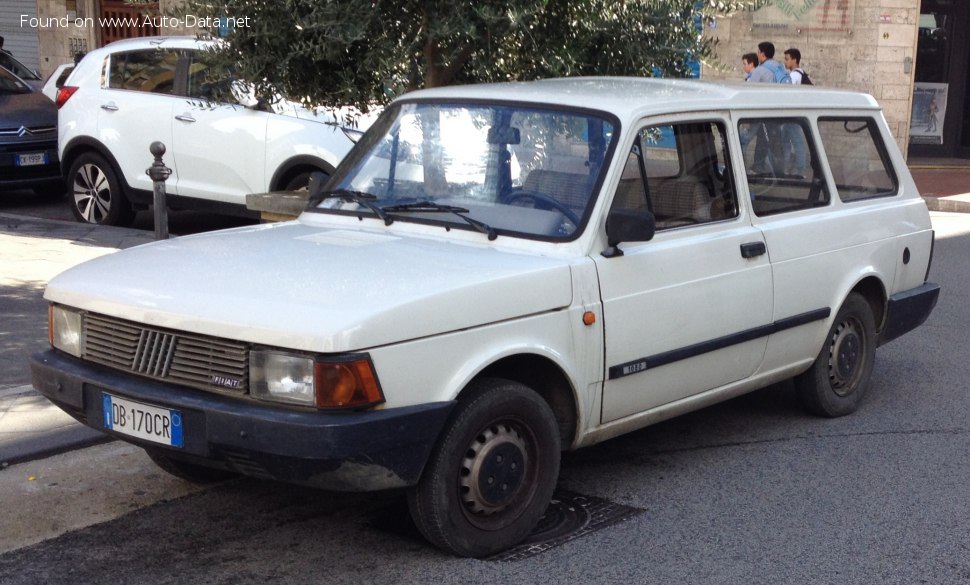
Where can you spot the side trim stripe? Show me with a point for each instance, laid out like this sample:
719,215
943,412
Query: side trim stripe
669,357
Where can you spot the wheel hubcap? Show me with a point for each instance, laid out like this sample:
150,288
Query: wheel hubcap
493,470
92,193
845,357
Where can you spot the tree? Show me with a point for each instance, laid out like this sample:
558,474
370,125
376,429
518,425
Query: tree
361,52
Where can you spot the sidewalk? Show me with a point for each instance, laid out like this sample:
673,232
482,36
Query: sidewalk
34,250
31,252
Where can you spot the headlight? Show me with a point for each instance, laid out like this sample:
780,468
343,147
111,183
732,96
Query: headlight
64,329
298,379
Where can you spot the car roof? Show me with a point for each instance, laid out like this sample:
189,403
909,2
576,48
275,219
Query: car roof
629,97
168,42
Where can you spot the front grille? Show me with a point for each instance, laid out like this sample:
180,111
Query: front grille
199,361
22,131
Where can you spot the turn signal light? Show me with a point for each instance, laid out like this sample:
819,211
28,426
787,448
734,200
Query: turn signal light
350,384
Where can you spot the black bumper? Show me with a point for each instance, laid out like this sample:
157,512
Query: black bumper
353,451
908,310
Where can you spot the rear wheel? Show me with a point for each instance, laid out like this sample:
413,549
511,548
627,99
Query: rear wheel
491,477
837,381
96,193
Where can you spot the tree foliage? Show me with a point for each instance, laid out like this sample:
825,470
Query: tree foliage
362,52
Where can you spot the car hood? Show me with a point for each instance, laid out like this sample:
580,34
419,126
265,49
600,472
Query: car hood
31,110
310,288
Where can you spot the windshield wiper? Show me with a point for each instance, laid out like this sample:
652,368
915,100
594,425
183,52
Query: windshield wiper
432,207
359,197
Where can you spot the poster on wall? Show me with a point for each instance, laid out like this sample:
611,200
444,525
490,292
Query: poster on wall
806,15
929,107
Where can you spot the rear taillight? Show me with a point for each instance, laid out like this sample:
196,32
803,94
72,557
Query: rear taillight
64,94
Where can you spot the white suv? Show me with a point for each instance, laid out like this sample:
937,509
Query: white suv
125,96
501,272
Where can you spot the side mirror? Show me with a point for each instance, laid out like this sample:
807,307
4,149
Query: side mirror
628,225
244,95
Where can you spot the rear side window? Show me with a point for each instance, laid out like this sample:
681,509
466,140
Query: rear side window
858,159
781,165
150,71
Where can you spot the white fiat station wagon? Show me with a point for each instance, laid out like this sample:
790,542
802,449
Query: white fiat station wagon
497,273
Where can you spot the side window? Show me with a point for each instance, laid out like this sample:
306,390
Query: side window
681,173
781,165
857,157
150,71
208,83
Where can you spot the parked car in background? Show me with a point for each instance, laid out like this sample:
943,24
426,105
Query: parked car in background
130,93
11,64
56,80
28,138
502,272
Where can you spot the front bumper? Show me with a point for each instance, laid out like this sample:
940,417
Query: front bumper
353,451
908,310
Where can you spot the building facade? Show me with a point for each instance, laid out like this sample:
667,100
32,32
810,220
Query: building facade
911,55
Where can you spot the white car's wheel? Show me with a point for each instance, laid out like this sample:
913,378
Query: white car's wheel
96,194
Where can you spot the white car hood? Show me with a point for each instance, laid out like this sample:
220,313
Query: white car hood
317,289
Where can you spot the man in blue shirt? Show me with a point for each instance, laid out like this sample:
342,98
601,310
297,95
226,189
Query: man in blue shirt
770,70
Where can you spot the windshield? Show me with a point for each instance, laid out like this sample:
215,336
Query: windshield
10,84
19,69
499,169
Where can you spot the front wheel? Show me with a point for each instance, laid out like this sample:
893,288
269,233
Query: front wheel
96,192
491,476
838,379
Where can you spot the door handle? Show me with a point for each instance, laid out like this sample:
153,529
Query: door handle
185,118
110,107
752,249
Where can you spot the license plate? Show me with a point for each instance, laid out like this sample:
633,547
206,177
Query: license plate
144,421
34,158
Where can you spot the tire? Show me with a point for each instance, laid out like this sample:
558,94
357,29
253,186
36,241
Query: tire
188,471
491,476
301,180
837,381
96,194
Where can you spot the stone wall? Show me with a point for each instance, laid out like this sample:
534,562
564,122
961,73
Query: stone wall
864,45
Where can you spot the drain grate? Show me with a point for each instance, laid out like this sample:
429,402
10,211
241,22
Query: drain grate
569,516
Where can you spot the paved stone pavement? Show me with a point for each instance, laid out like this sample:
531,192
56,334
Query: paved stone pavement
31,252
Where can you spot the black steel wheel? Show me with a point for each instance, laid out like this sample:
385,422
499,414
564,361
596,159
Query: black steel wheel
492,474
837,381
96,194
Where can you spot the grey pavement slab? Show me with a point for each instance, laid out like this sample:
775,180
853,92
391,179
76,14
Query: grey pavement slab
33,250
31,427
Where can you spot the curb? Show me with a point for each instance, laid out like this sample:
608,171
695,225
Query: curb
957,204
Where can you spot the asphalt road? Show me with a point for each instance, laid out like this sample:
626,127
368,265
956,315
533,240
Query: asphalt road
750,491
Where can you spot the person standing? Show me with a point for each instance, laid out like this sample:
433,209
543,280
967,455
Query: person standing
2,50
793,60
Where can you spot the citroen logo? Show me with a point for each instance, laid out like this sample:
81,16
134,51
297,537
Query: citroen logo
24,131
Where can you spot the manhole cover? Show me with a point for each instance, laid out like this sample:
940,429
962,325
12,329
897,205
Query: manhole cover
569,516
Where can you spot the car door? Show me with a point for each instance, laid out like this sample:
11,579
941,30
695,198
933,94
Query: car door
136,109
688,311
221,146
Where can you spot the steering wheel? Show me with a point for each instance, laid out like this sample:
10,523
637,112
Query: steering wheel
546,201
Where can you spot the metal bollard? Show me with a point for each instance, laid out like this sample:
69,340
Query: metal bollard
159,173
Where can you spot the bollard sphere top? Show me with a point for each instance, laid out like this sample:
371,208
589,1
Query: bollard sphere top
157,149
